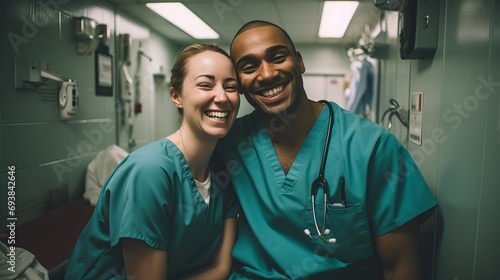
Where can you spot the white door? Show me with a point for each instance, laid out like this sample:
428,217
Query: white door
328,87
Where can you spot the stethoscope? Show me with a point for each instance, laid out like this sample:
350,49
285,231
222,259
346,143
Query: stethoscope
321,182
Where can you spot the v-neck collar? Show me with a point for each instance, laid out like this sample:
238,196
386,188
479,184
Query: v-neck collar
197,197
286,182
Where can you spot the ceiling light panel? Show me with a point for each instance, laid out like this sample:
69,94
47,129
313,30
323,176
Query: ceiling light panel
336,17
184,18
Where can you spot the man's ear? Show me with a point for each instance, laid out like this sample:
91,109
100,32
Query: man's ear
176,98
300,61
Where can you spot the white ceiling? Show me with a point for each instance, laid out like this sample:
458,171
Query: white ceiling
300,18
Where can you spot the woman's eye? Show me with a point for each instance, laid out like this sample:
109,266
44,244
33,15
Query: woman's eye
205,85
231,88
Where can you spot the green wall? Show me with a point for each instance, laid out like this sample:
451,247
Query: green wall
460,151
51,154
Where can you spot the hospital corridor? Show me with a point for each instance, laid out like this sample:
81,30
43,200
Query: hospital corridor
86,83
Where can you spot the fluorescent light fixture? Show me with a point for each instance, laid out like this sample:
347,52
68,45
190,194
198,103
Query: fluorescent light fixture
182,17
336,18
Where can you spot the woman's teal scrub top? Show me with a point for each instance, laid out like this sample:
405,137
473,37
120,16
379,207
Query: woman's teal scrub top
383,187
152,196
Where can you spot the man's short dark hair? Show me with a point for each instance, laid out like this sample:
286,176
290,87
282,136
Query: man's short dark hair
260,23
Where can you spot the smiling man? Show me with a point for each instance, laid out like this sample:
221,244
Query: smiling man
290,148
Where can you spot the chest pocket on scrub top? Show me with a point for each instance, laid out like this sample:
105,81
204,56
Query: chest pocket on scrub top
350,228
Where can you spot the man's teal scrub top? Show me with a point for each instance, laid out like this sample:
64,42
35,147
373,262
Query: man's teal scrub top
152,196
384,190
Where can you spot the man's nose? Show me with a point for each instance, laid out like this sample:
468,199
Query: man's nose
266,71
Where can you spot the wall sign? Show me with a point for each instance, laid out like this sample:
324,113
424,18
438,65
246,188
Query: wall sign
104,75
416,101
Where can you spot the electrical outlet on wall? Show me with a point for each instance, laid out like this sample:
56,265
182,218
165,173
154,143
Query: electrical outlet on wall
34,72
27,73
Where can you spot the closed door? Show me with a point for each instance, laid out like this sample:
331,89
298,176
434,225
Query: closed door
328,87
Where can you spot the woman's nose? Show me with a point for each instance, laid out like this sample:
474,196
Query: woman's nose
220,95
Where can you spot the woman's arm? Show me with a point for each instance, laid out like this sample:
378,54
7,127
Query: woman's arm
142,261
221,263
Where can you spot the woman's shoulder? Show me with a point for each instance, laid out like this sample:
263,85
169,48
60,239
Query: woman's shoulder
158,155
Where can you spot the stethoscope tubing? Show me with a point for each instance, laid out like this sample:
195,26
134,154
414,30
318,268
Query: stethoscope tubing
321,180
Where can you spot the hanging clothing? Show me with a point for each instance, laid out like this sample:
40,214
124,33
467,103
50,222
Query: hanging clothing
353,86
361,97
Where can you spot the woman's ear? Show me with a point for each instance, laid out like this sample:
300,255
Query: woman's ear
176,98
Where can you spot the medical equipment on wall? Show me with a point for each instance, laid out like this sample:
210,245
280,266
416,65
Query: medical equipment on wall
68,99
29,76
103,64
419,29
68,95
394,110
125,84
137,78
84,33
321,182
159,77
390,5
125,90
125,79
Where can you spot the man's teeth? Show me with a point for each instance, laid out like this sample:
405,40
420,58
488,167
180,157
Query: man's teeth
218,115
273,92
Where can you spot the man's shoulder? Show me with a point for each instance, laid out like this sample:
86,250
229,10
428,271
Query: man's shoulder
356,123
240,128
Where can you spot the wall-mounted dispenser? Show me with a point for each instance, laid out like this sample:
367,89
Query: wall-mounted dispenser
84,33
28,75
68,95
68,99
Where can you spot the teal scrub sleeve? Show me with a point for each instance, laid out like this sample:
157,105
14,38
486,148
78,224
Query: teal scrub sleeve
231,203
139,202
397,191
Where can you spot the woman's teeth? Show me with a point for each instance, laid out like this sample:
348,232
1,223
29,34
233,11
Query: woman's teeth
217,115
273,92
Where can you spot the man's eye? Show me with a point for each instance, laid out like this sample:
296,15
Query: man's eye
279,58
248,68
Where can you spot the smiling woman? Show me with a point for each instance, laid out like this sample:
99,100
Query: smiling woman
162,197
